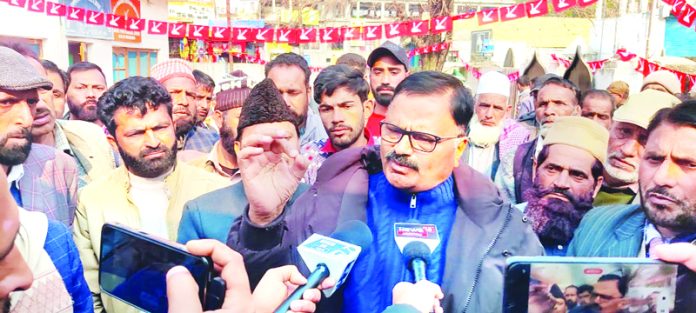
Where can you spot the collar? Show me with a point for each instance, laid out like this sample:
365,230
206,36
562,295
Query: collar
538,147
15,174
215,162
62,143
328,148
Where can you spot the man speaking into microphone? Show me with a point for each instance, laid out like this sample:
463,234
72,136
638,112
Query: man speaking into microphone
415,174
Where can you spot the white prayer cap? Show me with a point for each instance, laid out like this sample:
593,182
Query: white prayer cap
494,82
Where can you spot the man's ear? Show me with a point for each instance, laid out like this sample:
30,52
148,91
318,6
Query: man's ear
577,110
600,181
368,108
217,118
459,150
237,147
112,141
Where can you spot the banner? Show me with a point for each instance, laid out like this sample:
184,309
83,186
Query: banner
130,10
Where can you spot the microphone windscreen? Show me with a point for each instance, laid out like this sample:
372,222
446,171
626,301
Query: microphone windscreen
417,249
355,232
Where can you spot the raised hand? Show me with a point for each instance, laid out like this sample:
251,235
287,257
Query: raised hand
271,169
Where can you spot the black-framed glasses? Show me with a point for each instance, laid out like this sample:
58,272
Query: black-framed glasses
420,141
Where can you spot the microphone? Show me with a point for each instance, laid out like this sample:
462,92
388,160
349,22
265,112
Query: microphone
416,242
417,256
330,257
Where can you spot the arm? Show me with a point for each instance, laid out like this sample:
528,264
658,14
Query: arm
60,246
188,226
82,237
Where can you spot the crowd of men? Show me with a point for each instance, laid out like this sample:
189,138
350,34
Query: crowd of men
248,173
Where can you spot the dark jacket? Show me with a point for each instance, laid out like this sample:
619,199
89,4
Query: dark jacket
523,168
486,229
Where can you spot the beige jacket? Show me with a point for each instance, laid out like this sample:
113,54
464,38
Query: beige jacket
87,144
108,201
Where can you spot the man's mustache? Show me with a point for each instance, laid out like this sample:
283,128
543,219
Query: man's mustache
402,160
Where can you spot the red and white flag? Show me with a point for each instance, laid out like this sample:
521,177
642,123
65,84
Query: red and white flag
372,32
330,34
537,8
240,34
624,55
512,12
396,30
76,14
562,5
514,76
286,35
692,80
670,2
487,16
95,17
307,35
176,30
37,6
116,21
464,16
18,3
157,27
596,65
440,24
351,33
263,35
198,31
687,15
678,7
584,3
56,9
220,33
135,24
417,28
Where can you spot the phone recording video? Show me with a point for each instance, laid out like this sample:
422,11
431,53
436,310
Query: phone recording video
133,268
589,285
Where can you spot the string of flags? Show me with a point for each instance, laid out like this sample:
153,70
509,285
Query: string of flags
684,12
443,46
476,73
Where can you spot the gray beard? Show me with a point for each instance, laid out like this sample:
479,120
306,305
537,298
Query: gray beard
484,136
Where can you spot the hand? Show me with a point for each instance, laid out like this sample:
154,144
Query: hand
684,253
423,295
278,283
182,290
271,169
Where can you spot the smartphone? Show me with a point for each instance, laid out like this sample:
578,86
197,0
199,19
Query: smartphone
541,284
133,268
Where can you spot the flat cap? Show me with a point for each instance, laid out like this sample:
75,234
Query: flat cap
579,132
17,74
640,108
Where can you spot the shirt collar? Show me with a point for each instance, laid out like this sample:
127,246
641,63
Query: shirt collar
329,148
61,140
215,162
15,174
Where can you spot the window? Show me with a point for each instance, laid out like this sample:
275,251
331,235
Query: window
129,62
33,44
414,9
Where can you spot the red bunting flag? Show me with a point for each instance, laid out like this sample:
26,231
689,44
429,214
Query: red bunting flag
596,65
584,3
115,21
76,14
286,35
156,27
135,24
512,12
263,35
687,15
418,28
56,9
198,31
670,2
330,34
464,16
692,81
37,5
177,30
95,17
395,30
562,5
220,33
678,7
307,35
642,64
561,60
624,55
488,16
241,34
440,24
351,33
372,32
514,76
18,3
537,8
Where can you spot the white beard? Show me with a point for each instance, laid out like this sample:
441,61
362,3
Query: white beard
619,174
484,136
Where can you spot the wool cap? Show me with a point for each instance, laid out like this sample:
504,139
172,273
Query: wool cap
579,132
641,107
265,104
619,87
494,82
17,74
172,68
231,98
664,78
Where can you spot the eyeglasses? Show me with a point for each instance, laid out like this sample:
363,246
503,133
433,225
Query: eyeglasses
604,297
419,141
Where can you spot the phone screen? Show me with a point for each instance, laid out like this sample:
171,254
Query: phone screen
577,285
133,268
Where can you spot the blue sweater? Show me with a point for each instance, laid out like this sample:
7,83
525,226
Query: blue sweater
61,249
380,267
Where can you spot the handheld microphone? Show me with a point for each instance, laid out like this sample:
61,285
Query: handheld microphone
416,242
330,257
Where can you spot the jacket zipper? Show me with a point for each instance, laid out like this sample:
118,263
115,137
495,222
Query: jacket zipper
413,201
479,268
